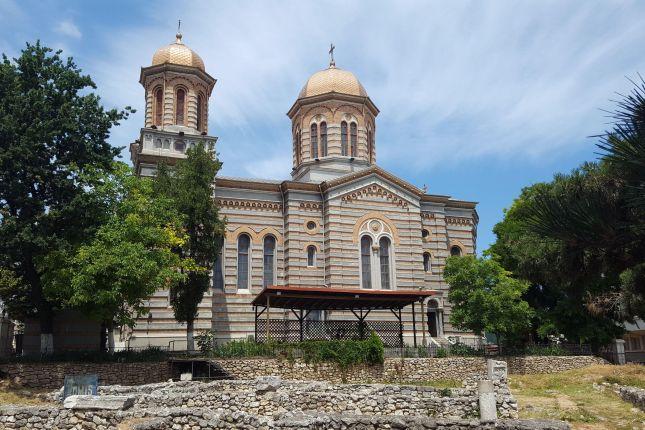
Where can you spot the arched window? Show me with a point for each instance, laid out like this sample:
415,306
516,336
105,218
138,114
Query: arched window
426,262
311,256
269,256
370,145
366,261
180,146
200,112
218,272
455,251
157,143
384,254
166,144
425,233
243,244
158,106
323,139
180,106
353,138
297,146
343,138
314,141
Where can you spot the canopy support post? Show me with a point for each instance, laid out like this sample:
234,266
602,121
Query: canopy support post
268,310
414,325
423,324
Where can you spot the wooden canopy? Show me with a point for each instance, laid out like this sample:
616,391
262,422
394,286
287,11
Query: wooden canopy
320,298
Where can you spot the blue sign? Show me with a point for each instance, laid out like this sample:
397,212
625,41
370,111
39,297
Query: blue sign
84,385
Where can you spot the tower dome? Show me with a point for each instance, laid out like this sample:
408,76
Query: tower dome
332,80
178,53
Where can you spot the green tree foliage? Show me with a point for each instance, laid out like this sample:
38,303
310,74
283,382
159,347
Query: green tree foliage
129,258
190,186
580,239
485,298
52,130
562,276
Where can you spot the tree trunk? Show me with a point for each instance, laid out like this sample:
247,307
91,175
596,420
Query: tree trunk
103,337
110,337
43,307
190,335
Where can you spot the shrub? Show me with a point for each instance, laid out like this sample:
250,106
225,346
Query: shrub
441,353
461,350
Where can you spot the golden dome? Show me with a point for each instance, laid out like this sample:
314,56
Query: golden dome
332,80
178,53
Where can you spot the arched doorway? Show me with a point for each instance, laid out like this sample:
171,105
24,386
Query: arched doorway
435,319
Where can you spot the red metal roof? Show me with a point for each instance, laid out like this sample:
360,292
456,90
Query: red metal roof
322,298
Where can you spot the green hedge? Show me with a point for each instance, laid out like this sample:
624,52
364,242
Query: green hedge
343,352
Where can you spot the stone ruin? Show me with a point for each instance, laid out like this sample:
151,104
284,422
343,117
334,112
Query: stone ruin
270,402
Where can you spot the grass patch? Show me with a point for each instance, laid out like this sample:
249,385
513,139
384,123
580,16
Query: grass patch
12,395
571,396
439,383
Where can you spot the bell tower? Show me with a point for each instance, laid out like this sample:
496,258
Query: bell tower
333,125
177,90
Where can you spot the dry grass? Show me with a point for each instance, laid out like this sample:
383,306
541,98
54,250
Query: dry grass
13,395
571,396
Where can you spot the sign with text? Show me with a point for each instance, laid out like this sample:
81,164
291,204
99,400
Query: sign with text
84,385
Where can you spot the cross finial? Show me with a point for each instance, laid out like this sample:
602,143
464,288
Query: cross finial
178,35
332,63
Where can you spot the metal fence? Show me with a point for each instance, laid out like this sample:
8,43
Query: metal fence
477,348
290,331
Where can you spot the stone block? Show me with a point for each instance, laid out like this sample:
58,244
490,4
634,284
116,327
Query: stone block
112,403
487,401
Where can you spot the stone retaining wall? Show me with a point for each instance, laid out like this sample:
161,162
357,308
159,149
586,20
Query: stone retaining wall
52,375
202,419
633,395
397,369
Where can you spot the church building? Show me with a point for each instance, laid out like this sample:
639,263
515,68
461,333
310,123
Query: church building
339,222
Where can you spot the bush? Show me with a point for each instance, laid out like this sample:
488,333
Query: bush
461,350
441,353
343,352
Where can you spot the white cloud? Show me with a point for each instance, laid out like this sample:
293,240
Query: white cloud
454,81
68,28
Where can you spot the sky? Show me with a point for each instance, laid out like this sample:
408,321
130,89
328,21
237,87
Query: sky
478,99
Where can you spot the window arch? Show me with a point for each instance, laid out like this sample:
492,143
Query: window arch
426,261
314,140
243,248
311,256
158,106
343,138
200,112
384,256
180,106
323,139
353,131
157,144
269,260
366,262
455,251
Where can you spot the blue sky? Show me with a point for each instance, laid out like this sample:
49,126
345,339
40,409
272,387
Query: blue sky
478,99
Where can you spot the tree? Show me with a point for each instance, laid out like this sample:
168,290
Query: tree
190,186
562,276
52,130
129,258
485,298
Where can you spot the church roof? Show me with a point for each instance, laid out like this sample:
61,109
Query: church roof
178,53
332,80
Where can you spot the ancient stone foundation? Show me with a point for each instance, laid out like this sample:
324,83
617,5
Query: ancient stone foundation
269,402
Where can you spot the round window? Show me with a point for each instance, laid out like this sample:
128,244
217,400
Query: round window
425,233
311,225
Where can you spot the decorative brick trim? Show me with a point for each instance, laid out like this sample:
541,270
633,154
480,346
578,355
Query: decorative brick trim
250,205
